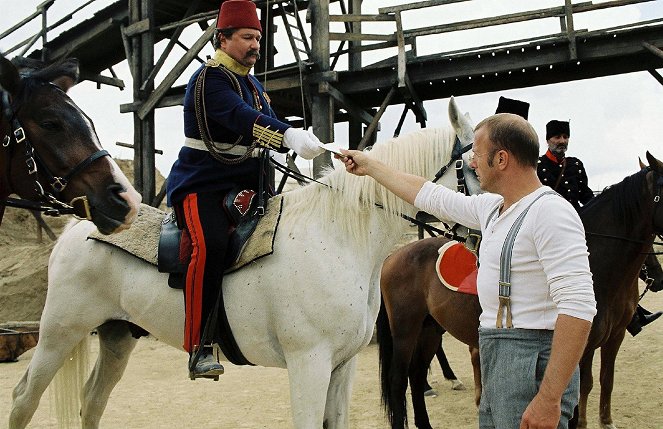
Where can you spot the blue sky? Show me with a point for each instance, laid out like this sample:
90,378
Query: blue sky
614,120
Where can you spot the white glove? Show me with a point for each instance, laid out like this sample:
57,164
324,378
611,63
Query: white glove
305,143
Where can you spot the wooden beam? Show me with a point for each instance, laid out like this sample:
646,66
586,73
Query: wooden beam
106,80
656,75
360,37
492,21
176,72
570,31
419,5
376,119
169,101
360,18
137,28
348,104
653,49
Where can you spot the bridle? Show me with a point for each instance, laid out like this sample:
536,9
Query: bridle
48,201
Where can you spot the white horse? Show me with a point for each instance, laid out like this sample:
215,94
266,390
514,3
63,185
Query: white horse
309,307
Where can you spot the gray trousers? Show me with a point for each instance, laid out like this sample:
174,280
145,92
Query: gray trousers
513,362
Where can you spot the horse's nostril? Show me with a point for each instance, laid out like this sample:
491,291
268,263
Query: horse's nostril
116,188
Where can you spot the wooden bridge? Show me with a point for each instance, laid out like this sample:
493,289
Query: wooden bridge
359,93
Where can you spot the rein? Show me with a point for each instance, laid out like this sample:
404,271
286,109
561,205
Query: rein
48,203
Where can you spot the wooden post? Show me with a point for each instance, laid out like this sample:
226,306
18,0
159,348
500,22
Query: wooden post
354,63
322,103
141,66
570,31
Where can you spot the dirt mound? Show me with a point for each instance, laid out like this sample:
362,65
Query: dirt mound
25,251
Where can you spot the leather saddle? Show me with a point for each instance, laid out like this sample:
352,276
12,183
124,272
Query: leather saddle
174,251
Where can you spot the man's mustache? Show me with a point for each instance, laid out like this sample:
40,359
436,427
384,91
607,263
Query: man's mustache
253,53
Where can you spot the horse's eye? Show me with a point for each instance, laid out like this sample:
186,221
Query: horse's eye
50,125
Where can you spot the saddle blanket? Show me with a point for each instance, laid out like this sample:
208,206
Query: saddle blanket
142,239
456,268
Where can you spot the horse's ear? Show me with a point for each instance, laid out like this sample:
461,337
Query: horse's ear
642,164
68,74
460,123
9,78
654,163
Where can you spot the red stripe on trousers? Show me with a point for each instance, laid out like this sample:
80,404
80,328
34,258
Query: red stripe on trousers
194,276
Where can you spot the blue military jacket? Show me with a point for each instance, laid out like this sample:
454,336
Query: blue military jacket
230,116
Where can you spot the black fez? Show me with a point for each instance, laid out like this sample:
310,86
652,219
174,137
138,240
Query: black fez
557,128
509,105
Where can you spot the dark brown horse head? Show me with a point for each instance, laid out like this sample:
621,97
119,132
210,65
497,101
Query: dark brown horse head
656,183
50,154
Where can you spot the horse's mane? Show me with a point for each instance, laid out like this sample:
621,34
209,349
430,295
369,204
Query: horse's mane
36,73
622,199
345,199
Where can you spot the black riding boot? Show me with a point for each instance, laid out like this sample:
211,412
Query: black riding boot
641,318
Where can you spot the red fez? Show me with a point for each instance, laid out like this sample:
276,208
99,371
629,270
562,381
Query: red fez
238,14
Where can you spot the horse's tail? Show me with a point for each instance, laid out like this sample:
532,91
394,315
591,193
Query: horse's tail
68,385
386,351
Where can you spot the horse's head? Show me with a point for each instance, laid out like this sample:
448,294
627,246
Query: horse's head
656,182
50,153
461,123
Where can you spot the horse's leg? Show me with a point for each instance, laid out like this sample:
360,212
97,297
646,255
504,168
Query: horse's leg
428,344
586,383
309,374
607,377
476,370
338,395
448,373
55,344
115,347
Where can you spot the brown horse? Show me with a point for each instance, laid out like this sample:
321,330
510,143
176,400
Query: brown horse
620,225
50,154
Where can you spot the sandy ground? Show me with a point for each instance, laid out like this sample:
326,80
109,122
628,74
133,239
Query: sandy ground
155,391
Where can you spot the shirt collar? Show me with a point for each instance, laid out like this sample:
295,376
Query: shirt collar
229,62
552,157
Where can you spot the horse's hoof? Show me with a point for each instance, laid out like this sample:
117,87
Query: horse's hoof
457,385
431,393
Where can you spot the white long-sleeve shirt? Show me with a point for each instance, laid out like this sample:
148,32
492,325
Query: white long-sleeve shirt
549,266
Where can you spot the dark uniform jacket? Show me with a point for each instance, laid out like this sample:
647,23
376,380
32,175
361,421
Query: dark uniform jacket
573,184
229,117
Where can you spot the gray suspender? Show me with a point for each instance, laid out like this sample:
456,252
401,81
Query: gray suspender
505,266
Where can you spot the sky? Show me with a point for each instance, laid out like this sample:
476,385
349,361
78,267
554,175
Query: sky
614,120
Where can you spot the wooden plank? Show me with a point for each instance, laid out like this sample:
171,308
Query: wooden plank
489,22
419,5
360,18
181,65
137,28
573,53
402,64
653,49
376,119
348,104
361,37
656,75
20,24
169,101
106,80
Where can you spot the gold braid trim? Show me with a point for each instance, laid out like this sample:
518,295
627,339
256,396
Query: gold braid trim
266,137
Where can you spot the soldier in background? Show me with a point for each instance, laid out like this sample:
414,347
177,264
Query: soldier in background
567,176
